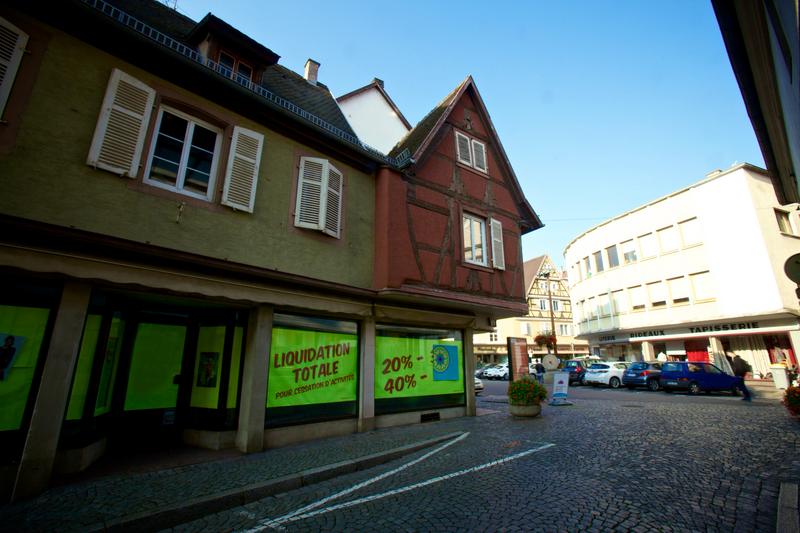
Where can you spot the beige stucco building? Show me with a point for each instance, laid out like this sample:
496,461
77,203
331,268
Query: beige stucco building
544,284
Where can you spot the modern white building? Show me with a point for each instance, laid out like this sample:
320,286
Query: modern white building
692,275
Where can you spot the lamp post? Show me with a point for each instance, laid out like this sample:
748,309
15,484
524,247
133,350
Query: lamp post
546,275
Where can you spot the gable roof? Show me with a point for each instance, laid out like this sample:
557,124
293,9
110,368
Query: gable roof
377,84
531,270
419,142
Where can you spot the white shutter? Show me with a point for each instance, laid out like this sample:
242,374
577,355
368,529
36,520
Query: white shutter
310,205
498,257
463,153
122,125
241,176
12,46
333,204
479,154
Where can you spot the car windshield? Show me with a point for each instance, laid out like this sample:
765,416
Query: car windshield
572,363
598,365
638,366
671,367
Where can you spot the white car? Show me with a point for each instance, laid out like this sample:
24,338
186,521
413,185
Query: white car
607,373
478,386
497,372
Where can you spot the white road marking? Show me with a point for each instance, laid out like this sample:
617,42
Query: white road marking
285,518
301,514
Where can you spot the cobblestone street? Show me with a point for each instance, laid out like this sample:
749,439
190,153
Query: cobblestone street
617,464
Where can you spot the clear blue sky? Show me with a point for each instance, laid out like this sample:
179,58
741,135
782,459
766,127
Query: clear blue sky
601,105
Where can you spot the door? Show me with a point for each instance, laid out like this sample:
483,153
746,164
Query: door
696,350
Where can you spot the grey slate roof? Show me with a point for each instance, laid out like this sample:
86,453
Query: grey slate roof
316,99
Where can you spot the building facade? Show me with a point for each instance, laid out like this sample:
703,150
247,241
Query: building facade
549,312
197,248
374,116
693,275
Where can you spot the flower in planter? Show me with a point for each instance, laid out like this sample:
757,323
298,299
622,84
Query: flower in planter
526,391
545,340
791,399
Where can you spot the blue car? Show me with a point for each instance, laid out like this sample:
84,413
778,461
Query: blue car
643,374
694,377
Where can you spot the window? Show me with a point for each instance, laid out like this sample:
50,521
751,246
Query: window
648,245
475,237
471,152
629,251
184,154
678,290
637,297
605,304
492,337
184,151
234,68
598,261
784,222
613,258
319,196
701,286
526,328
618,302
543,305
579,317
657,293
592,309
576,273
12,47
690,232
587,266
668,239
555,305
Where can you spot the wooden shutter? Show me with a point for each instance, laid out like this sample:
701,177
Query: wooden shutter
122,125
310,205
12,46
333,203
498,253
241,176
479,155
463,153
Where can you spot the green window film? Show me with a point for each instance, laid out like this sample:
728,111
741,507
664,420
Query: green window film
155,361
83,370
311,367
208,367
21,334
109,372
411,363
236,358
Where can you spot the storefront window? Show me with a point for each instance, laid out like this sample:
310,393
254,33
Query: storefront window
418,368
313,370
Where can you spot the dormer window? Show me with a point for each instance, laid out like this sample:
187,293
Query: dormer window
235,68
471,152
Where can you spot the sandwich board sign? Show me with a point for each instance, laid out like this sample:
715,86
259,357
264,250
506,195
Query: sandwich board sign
560,389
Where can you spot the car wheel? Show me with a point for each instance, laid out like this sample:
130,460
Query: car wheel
694,388
613,383
582,381
653,385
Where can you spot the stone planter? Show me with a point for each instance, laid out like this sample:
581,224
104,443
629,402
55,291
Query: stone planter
525,410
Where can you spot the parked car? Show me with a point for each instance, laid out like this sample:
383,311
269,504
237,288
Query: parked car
693,377
478,386
479,373
606,374
642,374
577,370
497,372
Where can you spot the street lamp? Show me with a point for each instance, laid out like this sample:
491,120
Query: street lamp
546,275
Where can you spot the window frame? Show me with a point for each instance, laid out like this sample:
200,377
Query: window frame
630,249
182,165
615,262
474,218
781,215
471,142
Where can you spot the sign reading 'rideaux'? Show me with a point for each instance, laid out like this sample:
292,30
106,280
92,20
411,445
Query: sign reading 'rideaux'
407,367
310,367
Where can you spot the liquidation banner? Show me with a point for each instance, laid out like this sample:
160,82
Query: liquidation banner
407,367
311,367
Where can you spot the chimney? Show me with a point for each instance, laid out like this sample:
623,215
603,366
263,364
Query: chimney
312,68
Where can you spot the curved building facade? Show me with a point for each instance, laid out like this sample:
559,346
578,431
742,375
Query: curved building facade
693,275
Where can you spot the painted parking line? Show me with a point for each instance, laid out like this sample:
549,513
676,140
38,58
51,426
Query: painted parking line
303,513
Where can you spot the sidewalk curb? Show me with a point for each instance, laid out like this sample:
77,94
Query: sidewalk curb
788,520
174,515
